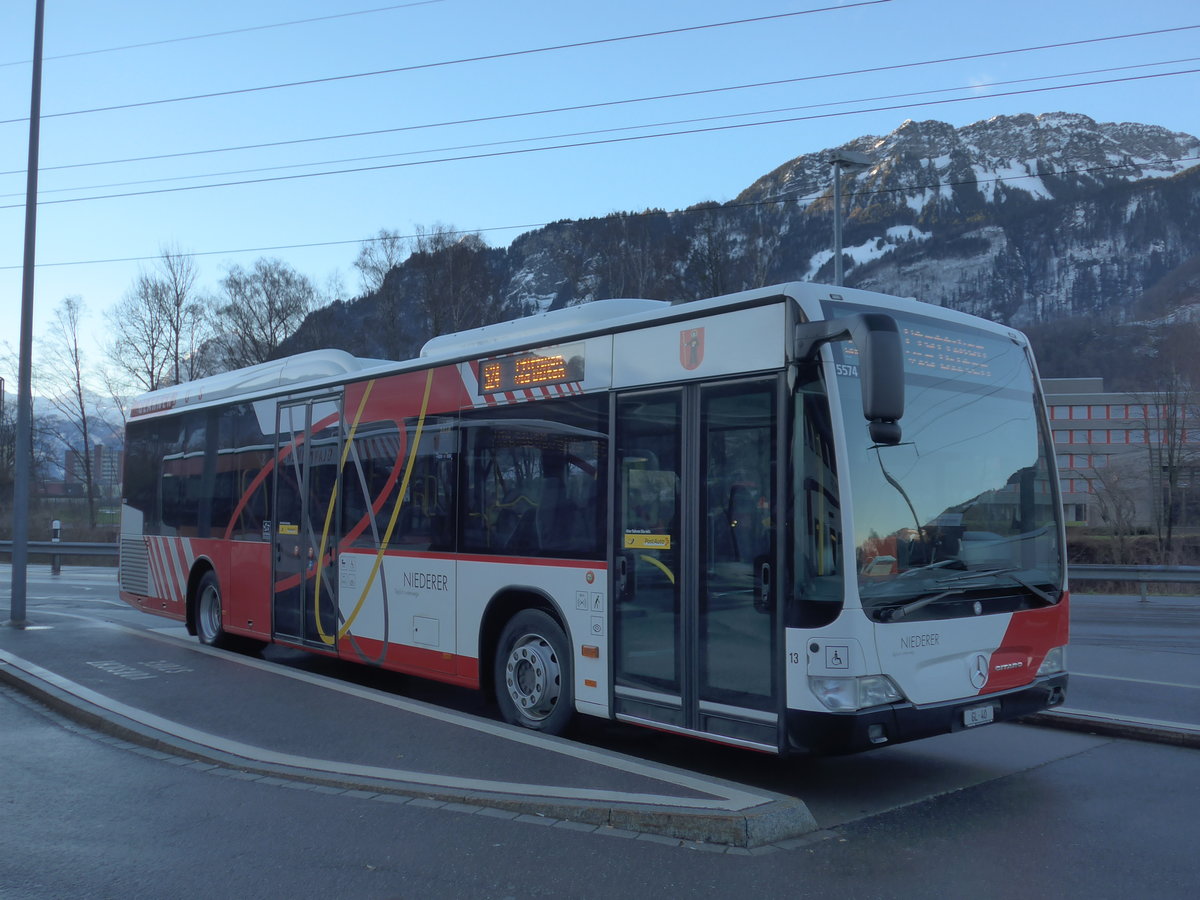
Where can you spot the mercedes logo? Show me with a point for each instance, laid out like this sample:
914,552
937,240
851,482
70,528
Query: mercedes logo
979,671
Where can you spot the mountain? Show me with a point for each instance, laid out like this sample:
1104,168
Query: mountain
1024,219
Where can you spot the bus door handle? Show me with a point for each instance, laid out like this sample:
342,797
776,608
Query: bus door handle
622,575
762,597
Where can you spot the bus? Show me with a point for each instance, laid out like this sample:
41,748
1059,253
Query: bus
799,519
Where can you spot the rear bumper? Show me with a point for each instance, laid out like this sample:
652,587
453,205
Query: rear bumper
823,733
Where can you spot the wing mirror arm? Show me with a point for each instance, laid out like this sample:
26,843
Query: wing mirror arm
880,365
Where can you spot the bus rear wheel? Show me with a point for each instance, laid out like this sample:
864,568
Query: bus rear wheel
533,673
209,622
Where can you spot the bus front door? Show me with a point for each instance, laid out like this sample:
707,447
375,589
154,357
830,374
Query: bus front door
305,524
695,623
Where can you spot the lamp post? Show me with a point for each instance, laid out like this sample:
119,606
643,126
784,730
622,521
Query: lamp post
841,160
22,463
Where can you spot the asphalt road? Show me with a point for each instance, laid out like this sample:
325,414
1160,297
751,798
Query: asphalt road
84,817
1140,660
1005,811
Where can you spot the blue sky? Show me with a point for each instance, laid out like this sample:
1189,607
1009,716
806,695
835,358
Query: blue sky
493,189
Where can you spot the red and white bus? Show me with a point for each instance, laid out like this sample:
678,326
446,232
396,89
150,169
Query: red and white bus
795,519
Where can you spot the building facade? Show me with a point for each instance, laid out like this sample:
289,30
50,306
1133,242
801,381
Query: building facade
107,466
1124,454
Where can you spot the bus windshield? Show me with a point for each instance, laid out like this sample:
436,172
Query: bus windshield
960,518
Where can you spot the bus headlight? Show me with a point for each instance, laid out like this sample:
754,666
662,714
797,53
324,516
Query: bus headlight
1055,662
843,694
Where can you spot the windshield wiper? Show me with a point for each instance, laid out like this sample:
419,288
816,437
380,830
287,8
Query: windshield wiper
899,612
959,577
1049,598
995,573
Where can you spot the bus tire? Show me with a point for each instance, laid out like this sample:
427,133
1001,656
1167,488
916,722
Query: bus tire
210,627
533,675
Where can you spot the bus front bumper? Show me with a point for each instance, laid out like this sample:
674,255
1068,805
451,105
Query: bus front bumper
827,733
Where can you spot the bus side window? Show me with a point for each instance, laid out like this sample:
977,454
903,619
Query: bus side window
251,453
533,479
816,511
421,519
143,462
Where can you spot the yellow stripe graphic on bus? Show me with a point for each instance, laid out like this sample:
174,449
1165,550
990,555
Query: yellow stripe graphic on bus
325,638
387,535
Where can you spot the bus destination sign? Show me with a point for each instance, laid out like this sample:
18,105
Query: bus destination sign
535,368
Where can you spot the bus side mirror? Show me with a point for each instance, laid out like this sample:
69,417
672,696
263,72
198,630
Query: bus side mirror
880,365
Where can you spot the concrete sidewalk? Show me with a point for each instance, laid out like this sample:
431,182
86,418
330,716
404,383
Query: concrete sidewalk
176,696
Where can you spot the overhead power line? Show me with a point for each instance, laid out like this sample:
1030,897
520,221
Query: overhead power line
614,130
453,62
227,32
608,103
746,204
607,141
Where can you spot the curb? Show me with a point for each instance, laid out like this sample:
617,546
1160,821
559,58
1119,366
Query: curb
1178,734
777,819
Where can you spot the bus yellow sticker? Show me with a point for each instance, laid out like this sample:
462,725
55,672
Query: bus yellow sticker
647,542
289,529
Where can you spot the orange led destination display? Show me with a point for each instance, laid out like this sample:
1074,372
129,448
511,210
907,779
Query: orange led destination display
537,368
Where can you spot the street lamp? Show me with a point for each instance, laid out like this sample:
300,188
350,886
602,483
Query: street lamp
841,160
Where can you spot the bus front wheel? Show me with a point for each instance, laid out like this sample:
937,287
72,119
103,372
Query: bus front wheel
533,673
209,621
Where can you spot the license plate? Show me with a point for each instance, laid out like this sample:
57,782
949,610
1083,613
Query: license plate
979,715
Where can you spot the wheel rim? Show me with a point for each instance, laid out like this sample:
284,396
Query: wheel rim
209,617
533,677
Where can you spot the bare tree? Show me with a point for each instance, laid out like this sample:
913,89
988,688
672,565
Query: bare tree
711,256
1118,486
457,290
186,318
1172,457
262,307
637,255
136,334
378,256
64,376
762,244
42,444
159,326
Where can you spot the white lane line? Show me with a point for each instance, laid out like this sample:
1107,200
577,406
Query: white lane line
1175,684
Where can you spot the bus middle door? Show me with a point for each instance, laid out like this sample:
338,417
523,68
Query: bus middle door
305,531
695,620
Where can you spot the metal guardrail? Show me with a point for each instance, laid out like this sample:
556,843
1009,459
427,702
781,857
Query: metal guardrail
1139,575
64,548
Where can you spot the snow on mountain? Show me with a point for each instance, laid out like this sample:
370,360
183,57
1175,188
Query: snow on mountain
1021,219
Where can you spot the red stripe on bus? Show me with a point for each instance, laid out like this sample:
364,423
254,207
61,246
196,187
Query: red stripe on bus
1031,634
598,565
438,665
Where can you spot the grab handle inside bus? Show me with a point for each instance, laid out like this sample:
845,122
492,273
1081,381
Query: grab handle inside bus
762,598
880,365
622,575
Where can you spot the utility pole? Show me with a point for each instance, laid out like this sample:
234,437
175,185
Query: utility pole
839,160
24,458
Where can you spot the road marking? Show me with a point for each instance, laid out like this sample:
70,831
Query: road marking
1175,684
79,599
